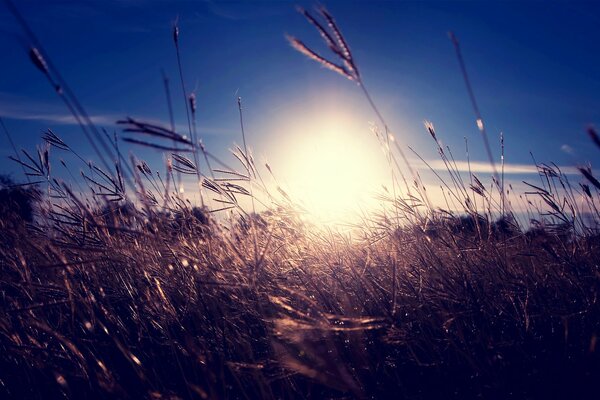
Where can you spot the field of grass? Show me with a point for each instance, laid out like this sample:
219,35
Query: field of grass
133,292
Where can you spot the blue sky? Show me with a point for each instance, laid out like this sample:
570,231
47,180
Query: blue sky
533,66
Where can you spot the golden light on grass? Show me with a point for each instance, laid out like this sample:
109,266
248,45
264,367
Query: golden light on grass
455,290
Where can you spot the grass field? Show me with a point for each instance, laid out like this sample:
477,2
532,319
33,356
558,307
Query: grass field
131,291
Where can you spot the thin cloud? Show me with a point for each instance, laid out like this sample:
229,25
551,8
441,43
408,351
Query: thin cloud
479,167
22,109
567,149
59,119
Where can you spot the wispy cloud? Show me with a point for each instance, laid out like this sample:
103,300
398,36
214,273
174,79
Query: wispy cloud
108,120
59,119
479,167
23,109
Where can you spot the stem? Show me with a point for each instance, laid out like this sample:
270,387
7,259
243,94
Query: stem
252,225
172,122
387,138
480,123
12,144
187,113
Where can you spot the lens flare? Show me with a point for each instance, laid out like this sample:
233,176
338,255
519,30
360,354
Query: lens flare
333,165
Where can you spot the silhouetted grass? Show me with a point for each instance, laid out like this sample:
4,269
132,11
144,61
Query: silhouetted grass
121,293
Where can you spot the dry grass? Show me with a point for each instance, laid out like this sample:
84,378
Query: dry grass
137,294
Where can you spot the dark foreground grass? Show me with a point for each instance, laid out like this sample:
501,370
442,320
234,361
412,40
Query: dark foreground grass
130,292
151,305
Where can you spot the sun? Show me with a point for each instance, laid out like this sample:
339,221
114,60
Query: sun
332,164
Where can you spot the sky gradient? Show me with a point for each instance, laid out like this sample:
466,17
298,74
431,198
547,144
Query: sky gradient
533,66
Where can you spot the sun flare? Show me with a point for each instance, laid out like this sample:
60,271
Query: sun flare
333,165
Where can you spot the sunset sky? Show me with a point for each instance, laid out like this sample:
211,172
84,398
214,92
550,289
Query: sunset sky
533,66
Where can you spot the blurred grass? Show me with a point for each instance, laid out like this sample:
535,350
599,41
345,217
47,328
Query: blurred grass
129,291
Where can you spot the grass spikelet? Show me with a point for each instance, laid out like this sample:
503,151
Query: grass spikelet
302,48
594,136
38,60
183,164
338,47
587,173
117,291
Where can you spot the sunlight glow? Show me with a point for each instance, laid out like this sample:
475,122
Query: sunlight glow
333,164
